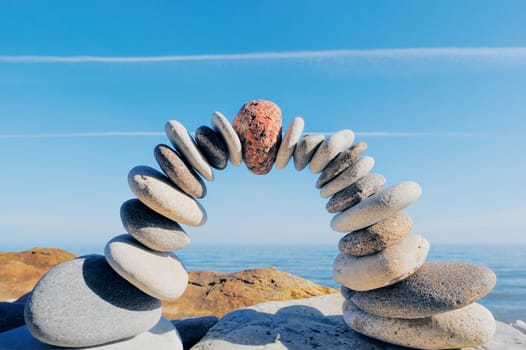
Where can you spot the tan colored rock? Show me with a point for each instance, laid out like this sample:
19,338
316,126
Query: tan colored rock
389,266
472,325
20,271
258,125
218,293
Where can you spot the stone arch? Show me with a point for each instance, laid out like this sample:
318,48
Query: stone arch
390,292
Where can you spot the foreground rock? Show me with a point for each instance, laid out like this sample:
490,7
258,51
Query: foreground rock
470,326
217,293
163,336
314,323
192,330
83,302
20,271
436,287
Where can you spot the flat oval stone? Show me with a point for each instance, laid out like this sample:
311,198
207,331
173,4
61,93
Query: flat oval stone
377,207
387,267
289,142
330,148
179,172
258,125
183,142
305,149
340,163
83,302
159,274
377,237
351,195
163,336
436,287
348,177
212,147
152,229
157,192
223,127
470,326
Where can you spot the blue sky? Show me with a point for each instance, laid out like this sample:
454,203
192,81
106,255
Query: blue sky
435,88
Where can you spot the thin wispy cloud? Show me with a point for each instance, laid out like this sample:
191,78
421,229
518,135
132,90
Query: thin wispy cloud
367,134
516,54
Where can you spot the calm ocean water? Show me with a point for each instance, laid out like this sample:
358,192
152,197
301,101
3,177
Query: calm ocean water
507,301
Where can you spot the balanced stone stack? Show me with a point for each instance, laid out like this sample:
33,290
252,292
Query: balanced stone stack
391,293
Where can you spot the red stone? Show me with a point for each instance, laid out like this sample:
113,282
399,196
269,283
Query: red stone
258,125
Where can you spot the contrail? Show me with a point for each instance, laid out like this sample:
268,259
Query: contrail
517,54
366,134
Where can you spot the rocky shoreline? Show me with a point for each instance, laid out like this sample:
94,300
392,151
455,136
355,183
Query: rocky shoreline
249,309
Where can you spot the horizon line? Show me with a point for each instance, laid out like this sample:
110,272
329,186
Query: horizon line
492,53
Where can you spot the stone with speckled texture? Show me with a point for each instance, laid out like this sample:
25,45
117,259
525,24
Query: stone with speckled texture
377,207
470,326
377,237
340,163
258,125
438,286
348,177
351,195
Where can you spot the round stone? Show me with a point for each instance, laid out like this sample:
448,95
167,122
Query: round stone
348,177
157,192
289,142
152,229
212,147
179,172
159,274
233,144
347,293
387,267
340,163
351,195
377,237
305,149
436,287
258,125
183,142
469,326
377,207
330,148
83,302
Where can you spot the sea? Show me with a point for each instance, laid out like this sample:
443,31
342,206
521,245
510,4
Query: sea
507,300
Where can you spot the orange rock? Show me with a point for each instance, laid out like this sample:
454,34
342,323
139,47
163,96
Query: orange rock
258,125
217,293
20,271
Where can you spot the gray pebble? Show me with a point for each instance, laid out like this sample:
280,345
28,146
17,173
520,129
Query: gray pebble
377,237
181,174
436,287
83,302
305,149
351,195
212,147
152,229
340,163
